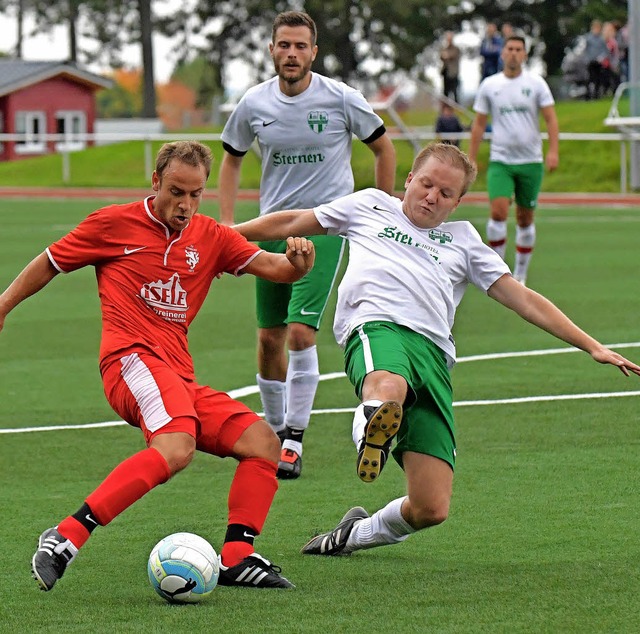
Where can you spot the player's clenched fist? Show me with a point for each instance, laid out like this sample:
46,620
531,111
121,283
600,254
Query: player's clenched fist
301,253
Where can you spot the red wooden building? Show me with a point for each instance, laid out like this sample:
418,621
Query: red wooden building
38,98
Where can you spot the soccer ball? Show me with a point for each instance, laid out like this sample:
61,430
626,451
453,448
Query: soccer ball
183,568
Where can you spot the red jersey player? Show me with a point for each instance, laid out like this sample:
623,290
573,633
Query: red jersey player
155,261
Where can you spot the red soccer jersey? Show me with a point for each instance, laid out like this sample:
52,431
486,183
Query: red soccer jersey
151,281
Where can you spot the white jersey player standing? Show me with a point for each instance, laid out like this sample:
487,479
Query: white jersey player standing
304,124
514,98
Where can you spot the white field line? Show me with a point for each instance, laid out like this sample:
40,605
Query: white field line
253,389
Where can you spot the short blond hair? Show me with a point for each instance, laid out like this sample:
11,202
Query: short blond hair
192,153
451,155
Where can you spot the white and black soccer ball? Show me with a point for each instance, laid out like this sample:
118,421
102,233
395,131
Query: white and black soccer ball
183,568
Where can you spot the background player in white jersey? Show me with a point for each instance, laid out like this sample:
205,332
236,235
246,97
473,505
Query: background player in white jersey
304,124
408,270
514,98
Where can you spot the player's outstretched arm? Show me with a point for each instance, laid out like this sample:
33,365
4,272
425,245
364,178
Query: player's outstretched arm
541,312
285,268
279,225
36,275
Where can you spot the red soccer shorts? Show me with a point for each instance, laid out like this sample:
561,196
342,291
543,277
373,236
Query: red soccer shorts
147,393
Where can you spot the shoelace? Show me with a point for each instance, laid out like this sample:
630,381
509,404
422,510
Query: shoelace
265,564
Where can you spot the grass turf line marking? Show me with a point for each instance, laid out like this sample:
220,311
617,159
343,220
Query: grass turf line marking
253,389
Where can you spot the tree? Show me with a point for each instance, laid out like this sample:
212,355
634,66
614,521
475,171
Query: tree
148,90
124,99
202,77
356,39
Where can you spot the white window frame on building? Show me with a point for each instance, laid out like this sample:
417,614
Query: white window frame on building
73,125
35,127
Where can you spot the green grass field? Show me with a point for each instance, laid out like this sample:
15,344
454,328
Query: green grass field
542,531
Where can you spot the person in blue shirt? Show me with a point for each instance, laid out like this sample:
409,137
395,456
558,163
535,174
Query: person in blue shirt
490,49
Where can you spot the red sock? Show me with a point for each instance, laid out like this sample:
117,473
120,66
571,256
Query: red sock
250,496
234,552
71,528
127,483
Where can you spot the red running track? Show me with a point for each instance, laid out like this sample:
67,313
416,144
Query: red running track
108,193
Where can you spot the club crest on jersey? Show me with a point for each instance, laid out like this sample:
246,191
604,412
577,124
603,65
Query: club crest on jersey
440,236
168,299
317,120
193,257
526,92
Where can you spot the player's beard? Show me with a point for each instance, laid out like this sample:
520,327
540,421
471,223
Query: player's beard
287,75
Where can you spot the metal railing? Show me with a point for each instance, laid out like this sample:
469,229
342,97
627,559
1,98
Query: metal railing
416,136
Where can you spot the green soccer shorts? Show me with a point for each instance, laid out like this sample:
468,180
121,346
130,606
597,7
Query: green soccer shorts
427,424
525,181
304,301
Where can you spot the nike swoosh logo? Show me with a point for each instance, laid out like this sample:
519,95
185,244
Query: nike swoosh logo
128,251
249,535
266,123
382,209
308,312
90,519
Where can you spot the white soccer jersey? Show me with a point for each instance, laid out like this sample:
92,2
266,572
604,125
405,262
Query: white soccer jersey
305,140
514,106
400,273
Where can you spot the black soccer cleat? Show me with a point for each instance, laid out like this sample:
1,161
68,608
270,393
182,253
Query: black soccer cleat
333,543
253,571
290,465
54,554
383,423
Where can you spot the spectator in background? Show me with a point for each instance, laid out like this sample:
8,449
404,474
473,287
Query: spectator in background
450,56
490,51
506,31
596,52
448,122
611,63
622,37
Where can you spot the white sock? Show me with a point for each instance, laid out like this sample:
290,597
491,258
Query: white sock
360,420
294,445
497,236
525,241
274,399
303,375
386,526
